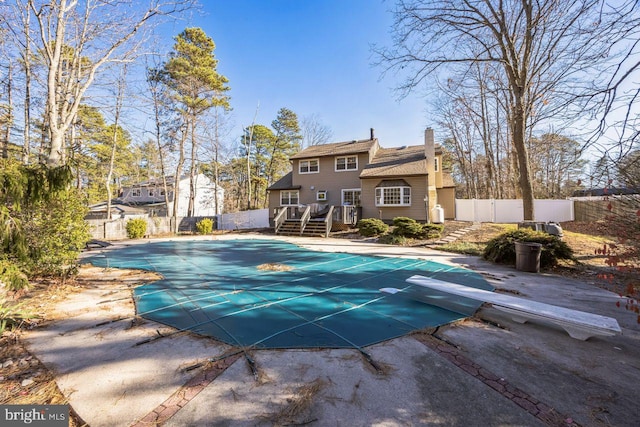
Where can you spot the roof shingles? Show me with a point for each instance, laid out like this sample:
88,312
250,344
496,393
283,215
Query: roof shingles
284,183
336,149
403,161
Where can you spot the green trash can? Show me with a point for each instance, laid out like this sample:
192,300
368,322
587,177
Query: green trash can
528,256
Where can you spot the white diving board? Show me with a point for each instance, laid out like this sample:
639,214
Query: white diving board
578,324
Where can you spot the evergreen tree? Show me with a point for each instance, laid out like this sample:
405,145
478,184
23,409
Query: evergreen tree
196,86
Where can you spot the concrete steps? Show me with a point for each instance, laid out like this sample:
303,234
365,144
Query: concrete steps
457,234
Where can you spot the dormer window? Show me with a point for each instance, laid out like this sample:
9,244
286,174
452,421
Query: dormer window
135,192
346,163
309,166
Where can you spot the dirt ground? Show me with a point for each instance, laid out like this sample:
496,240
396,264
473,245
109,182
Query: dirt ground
26,381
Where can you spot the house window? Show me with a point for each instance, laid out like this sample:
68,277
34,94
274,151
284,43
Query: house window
393,196
151,192
321,195
351,197
309,166
289,197
346,163
162,193
135,192
436,164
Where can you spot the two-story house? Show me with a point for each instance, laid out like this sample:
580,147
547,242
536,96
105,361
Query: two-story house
149,198
381,182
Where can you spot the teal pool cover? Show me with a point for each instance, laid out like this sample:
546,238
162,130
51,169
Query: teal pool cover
220,288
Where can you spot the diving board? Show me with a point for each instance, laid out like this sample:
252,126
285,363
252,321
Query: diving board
578,324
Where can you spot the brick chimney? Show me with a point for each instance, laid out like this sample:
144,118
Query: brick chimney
430,153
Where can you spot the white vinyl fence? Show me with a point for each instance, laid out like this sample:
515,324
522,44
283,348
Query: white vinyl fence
512,211
244,220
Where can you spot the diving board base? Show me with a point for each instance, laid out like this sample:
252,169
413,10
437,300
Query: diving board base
578,324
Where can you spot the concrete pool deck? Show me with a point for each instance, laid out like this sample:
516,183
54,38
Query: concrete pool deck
482,371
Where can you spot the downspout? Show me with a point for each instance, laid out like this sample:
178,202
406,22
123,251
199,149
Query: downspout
426,202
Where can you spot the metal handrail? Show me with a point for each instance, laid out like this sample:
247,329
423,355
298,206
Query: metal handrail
304,219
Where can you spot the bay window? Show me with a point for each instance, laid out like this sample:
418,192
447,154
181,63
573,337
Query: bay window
393,196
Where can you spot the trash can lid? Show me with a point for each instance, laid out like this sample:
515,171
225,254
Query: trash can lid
530,244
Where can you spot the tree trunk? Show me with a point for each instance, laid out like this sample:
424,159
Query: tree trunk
162,170
9,116
26,147
112,159
519,143
216,149
192,174
176,181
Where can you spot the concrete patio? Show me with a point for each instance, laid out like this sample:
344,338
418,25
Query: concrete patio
483,371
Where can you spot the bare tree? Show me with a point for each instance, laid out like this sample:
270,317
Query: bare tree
540,48
116,133
314,132
215,132
158,103
247,141
6,114
76,40
16,32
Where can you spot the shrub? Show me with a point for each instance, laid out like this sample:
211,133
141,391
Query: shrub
204,226
136,228
501,249
43,228
432,231
12,277
12,315
56,233
370,227
407,227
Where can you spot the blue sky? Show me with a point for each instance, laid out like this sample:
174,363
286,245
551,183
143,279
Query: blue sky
313,57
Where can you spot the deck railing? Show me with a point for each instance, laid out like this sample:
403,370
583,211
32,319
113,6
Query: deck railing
348,215
304,219
328,221
280,218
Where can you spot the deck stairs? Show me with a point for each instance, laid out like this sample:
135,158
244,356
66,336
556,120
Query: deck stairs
292,227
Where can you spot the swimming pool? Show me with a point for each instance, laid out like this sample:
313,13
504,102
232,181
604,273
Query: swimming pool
264,293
